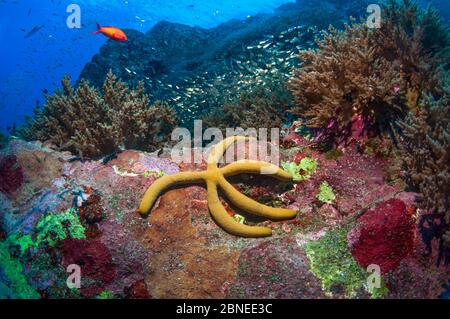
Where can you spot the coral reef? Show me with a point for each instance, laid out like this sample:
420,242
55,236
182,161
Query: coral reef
171,58
425,150
18,249
155,257
345,208
214,177
352,79
49,231
90,124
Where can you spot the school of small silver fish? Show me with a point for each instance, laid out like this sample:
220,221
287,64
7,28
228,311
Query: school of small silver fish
269,60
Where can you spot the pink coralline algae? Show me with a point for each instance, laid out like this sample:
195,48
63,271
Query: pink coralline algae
95,262
11,175
383,236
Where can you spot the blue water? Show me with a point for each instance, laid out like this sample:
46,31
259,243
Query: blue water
31,65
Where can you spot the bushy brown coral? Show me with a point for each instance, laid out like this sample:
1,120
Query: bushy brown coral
261,108
425,149
419,42
376,74
87,122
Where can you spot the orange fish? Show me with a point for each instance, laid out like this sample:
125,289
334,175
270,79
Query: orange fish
112,33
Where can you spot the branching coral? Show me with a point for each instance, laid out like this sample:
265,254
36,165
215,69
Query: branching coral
214,177
262,108
419,42
342,79
371,74
425,150
90,123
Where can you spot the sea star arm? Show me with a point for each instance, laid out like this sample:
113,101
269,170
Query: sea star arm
219,149
161,184
255,167
249,205
222,218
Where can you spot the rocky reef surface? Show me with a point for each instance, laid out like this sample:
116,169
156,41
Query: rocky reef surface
57,211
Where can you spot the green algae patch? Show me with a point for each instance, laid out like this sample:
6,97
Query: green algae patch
332,262
157,174
106,294
326,194
52,228
301,171
24,242
16,284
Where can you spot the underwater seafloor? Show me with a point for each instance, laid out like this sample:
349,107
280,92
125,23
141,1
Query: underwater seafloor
363,115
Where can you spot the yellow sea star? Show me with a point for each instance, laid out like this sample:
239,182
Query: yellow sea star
215,176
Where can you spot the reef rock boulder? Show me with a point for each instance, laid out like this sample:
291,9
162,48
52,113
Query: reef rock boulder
180,252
